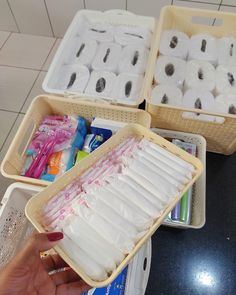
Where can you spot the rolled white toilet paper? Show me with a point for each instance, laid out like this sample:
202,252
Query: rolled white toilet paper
107,57
128,35
165,94
128,87
174,43
73,78
83,52
101,32
226,79
133,59
200,74
199,99
101,84
170,70
226,104
203,47
227,51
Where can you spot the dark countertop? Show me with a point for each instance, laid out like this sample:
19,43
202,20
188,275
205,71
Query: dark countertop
201,262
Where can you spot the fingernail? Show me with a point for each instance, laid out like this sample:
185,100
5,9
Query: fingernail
53,237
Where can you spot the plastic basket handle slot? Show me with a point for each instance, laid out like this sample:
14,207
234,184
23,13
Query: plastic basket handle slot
26,138
198,116
205,20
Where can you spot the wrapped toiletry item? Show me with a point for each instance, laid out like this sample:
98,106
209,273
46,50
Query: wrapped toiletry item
170,71
101,32
226,79
226,104
166,94
174,43
112,125
227,51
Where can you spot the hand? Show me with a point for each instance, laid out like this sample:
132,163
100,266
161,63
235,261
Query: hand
27,273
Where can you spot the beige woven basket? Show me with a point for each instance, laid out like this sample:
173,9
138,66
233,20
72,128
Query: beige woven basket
35,205
44,105
220,137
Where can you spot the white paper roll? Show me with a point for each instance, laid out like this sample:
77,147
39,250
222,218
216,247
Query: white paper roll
174,43
101,84
203,47
101,32
128,35
166,94
107,57
226,104
133,59
226,79
83,52
128,87
73,78
200,74
199,99
227,51
170,70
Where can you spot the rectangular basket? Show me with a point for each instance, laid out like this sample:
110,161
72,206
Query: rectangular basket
43,105
36,204
198,213
220,137
114,17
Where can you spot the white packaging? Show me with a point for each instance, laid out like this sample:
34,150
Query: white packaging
101,84
165,94
226,104
174,43
203,47
107,57
200,75
226,79
227,51
133,59
170,71
102,32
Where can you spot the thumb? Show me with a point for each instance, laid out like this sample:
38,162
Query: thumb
44,242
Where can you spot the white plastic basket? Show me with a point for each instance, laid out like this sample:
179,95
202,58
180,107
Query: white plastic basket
198,212
114,17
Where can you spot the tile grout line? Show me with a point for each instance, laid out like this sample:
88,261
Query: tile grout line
48,54
2,65
126,4
84,4
13,15
9,111
50,22
6,40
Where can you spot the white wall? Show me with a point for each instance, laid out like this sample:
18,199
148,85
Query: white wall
52,17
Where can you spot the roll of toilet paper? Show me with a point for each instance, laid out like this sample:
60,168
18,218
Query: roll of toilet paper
133,59
128,87
226,79
203,47
165,94
107,57
128,35
199,99
101,32
170,70
227,51
226,104
101,84
83,52
174,43
200,74
73,78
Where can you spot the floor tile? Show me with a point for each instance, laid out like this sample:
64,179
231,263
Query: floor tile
51,55
36,90
5,182
105,4
15,85
26,51
6,121
7,22
3,37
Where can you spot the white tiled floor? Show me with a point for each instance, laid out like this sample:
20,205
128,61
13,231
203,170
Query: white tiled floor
24,61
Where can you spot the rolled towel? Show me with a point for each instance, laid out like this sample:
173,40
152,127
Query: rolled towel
174,43
203,47
226,104
199,99
72,78
101,84
170,70
226,79
128,87
133,59
170,95
227,51
83,52
101,32
107,57
200,74
130,35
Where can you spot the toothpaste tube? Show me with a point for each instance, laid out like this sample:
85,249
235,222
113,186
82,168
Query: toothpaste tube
92,142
